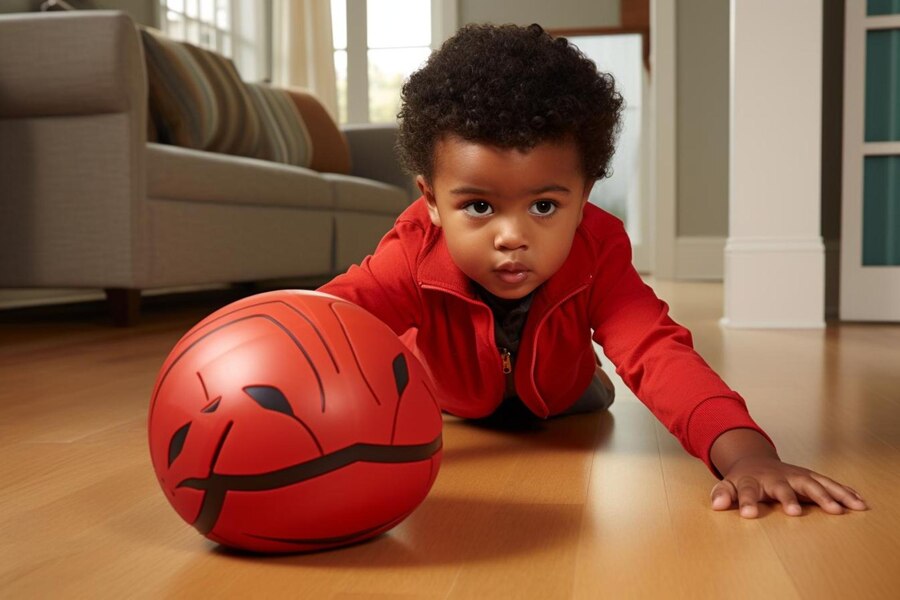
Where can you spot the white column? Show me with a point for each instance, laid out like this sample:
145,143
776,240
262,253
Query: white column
774,256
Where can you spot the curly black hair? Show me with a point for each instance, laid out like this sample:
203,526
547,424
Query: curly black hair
510,87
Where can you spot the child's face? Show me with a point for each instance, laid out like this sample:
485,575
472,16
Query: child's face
508,217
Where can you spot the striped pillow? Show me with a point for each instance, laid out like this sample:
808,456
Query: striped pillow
284,135
238,129
330,152
182,105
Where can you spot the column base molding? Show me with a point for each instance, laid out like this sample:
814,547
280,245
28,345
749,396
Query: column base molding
774,283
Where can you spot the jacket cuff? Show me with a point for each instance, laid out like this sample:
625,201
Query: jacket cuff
713,417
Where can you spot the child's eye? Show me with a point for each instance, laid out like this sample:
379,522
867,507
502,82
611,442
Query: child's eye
544,208
478,208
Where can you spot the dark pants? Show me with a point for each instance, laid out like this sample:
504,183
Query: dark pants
598,396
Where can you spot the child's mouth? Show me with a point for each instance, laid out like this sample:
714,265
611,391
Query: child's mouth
512,276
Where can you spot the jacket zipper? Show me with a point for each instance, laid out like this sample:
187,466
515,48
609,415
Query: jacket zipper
505,357
506,361
506,364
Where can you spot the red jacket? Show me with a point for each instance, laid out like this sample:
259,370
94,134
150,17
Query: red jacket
412,284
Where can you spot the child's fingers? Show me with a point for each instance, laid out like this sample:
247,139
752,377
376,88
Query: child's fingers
816,492
784,493
855,493
723,495
748,495
842,493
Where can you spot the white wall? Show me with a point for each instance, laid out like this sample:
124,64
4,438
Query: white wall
702,114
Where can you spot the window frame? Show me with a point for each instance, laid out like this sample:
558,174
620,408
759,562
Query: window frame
251,39
444,19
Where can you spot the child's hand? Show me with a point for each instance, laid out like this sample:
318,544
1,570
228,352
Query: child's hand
755,479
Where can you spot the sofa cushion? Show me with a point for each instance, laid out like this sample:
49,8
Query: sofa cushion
193,175
284,135
366,195
182,103
238,129
330,152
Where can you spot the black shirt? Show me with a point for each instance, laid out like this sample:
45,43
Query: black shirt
509,321
509,317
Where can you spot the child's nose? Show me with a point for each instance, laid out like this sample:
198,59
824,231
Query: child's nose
510,235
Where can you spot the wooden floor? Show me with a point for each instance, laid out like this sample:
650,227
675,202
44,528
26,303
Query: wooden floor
589,506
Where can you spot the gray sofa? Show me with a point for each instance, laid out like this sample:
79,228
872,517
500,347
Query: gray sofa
87,202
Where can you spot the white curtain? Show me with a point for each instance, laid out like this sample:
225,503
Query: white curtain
303,50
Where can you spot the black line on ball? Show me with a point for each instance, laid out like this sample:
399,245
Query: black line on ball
271,398
401,373
176,444
203,385
212,406
205,335
218,485
293,308
321,337
218,450
212,499
353,352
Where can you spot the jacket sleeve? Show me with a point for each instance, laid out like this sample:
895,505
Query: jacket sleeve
384,283
655,356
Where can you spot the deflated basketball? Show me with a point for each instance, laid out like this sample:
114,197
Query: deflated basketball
293,421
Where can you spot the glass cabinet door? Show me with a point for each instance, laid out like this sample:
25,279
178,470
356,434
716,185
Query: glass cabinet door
881,174
883,7
870,222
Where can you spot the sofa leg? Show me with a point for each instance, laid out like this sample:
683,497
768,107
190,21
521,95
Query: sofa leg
124,306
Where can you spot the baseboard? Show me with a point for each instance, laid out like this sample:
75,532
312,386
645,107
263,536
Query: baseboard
774,283
700,258
732,324
24,298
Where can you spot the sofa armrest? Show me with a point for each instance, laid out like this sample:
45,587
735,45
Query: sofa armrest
73,124
70,63
372,155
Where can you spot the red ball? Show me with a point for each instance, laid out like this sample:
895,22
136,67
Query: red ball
293,421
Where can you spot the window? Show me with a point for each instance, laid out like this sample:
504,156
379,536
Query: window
619,194
625,192
373,60
339,36
238,29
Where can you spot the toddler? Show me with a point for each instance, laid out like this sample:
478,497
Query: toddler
500,275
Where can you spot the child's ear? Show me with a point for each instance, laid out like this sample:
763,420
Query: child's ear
428,193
